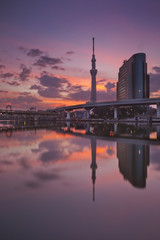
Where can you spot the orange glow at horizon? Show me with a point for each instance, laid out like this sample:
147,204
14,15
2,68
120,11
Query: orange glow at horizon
61,102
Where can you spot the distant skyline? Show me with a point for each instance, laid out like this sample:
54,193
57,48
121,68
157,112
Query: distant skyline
46,49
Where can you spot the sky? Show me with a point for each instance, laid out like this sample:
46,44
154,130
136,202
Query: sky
46,49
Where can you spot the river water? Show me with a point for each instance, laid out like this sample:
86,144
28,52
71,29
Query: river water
80,181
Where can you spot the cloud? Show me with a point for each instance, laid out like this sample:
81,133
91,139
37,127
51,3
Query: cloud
51,86
54,87
35,87
20,101
34,52
23,49
26,99
80,94
24,163
6,162
45,61
2,66
58,68
49,92
25,72
47,176
42,177
53,151
77,93
70,52
49,145
6,75
154,82
156,69
51,155
1,91
13,83
101,81
51,81
76,88
109,86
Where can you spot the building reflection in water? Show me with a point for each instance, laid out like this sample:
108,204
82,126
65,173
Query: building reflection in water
133,162
133,159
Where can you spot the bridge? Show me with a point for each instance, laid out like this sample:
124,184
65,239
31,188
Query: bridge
113,104
53,114
29,114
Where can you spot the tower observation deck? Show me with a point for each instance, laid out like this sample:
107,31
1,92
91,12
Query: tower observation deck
93,72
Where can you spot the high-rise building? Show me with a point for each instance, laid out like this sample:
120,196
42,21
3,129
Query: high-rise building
93,72
133,80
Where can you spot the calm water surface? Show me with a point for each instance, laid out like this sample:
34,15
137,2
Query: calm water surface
80,182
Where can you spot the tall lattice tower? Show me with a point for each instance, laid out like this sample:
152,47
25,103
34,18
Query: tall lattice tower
93,72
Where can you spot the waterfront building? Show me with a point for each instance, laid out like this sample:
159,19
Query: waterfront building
133,80
93,72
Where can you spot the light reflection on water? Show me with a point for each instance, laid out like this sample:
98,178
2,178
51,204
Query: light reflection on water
80,181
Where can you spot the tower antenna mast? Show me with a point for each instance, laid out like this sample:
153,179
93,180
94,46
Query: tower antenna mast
93,45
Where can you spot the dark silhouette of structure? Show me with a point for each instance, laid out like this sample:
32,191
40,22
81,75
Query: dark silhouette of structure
133,80
133,162
8,107
93,72
93,164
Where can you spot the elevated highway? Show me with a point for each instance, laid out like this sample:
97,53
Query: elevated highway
131,102
114,104
87,106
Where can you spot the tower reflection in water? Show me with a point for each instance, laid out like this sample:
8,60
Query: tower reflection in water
93,164
133,162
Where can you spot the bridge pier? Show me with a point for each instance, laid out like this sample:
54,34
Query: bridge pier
35,117
88,113
68,115
158,109
68,126
115,129
115,112
88,128
158,132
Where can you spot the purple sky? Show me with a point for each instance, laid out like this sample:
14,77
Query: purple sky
45,50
